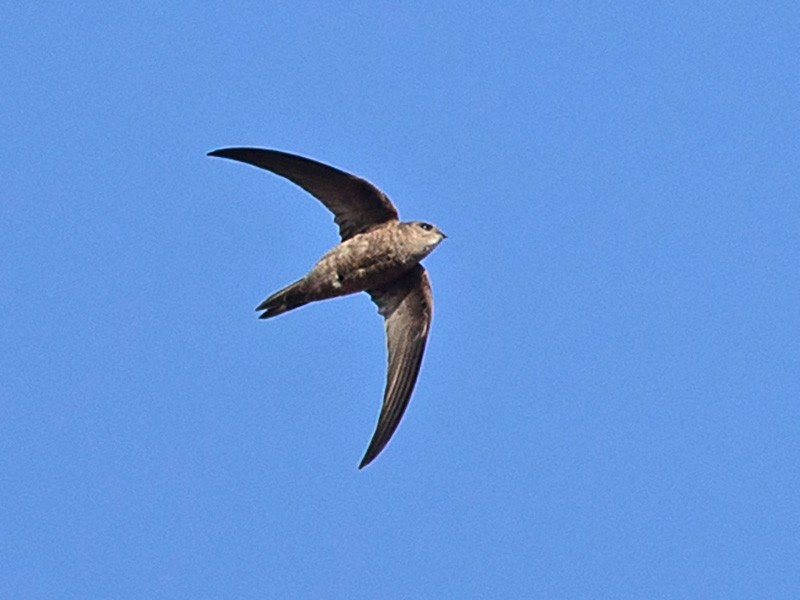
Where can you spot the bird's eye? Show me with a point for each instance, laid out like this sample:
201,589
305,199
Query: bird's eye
426,226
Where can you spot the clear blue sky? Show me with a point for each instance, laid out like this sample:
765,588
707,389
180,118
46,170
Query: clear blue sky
609,405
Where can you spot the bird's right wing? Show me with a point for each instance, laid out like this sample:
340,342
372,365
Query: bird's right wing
356,204
407,306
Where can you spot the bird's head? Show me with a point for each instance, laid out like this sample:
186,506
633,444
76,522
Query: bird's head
422,237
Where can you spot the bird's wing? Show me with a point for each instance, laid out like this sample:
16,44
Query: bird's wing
356,204
407,307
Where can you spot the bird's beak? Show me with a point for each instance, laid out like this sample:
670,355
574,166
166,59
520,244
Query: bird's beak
444,236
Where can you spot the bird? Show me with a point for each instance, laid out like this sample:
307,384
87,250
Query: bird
378,254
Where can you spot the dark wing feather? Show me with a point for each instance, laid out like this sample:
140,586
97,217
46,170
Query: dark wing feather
407,306
356,204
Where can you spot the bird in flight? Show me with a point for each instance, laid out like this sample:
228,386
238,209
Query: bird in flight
378,254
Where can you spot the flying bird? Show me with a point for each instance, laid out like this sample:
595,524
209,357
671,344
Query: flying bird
378,254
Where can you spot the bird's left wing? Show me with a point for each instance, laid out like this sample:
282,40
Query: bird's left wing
407,307
357,205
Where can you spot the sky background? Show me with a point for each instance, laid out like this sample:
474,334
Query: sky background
609,405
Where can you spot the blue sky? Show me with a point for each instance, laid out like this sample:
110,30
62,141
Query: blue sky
608,405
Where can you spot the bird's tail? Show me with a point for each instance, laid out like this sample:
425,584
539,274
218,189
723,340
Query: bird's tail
292,296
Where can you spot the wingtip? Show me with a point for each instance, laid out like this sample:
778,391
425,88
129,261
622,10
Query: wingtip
236,152
374,449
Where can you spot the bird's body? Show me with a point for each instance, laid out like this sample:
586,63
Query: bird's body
378,254
366,261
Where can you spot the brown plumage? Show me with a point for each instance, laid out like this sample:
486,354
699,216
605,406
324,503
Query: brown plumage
378,254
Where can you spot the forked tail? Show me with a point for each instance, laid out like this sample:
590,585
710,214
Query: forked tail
292,296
